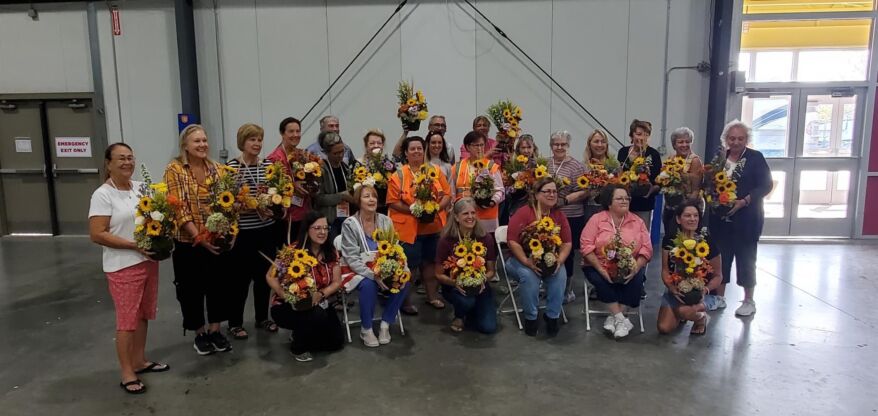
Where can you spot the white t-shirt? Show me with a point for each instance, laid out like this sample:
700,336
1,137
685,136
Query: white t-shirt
119,205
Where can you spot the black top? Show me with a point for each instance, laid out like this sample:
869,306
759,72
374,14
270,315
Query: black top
756,182
640,204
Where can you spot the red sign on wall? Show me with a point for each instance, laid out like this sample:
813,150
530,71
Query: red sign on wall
117,21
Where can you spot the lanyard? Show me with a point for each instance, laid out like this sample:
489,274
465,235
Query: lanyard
245,167
332,175
559,166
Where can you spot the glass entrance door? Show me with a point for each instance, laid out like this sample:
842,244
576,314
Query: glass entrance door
809,137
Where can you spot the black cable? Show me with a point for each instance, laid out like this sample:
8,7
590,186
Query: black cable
503,34
398,8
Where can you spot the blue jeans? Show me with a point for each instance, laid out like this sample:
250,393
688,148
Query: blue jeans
476,311
368,297
529,289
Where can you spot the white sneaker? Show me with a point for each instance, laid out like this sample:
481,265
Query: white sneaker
384,334
622,328
747,308
610,323
720,302
368,338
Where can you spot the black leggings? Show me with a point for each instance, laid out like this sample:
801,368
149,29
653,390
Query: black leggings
247,265
316,329
200,277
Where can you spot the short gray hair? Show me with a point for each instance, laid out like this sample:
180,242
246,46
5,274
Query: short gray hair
736,124
327,139
561,134
682,132
325,118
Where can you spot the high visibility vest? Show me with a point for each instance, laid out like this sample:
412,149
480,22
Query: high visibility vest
406,224
461,174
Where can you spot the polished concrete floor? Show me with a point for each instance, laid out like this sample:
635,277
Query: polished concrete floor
809,350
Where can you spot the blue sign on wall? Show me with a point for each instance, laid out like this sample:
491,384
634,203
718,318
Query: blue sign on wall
184,120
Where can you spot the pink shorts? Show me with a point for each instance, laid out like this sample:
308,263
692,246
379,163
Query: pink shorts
135,292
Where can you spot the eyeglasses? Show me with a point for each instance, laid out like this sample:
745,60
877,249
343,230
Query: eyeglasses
549,192
560,144
320,228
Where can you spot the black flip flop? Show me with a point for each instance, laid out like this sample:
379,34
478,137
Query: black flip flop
153,367
134,382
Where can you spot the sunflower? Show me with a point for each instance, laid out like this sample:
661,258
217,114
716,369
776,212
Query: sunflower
565,181
702,249
731,187
688,258
507,113
541,171
479,249
556,239
521,159
720,176
582,181
432,174
534,244
269,172
518,112
138,228
406,276
296,269
361,171
721,188
384,247
479,165
154,228
512,133
299,255
145,204
226,199
300,175
288,188
411,102
513,122
461,250
679,253
233,229
470,258
546,224
639,160
378,177
624,180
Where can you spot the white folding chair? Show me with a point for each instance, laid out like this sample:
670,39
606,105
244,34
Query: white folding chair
588,311
344,302
500,237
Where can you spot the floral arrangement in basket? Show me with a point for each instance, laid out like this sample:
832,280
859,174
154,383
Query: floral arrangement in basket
598,176
481,184
221,226
154,218
425,206
292,269
412,106
719,188
507,117
542,241
306,168
390,263
636,178
275,194
467,266
691,270
672,180
618,258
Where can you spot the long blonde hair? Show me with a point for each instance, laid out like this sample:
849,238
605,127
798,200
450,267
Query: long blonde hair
452,228
587,155
183,157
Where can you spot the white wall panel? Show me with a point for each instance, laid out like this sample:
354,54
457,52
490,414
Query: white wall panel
646,54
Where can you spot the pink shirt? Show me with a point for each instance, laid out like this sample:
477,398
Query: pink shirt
600,230
526,215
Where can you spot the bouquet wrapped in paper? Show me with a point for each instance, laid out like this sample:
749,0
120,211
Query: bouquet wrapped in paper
155,218
292,269
691,270
506,117
390,263
467,265
412,106
426,204
542,243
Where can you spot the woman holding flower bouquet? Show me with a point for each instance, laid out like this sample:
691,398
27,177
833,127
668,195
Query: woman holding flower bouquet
132,276
199,267
257,233
567,170
616,245
689,261
314,324
692,169
468,255
540,241
418,196
377,164
285,153
643,163
526,153
332,198
359,250
477,177
438,152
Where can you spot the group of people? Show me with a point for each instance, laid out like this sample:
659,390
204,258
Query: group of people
336,226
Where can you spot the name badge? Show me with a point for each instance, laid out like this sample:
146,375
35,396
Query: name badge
298,201
343,209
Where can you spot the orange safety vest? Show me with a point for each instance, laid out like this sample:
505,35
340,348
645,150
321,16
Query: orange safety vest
401,189
461,174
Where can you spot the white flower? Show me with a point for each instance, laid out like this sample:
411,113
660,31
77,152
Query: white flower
272,191
550,259
515,175
156,216
376,150
310,167
505,126
698,261
139,220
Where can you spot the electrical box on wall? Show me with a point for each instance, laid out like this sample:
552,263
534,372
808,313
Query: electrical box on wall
739,78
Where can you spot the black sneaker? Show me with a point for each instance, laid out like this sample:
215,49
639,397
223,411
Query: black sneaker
552,326
219,342
530,327
202,345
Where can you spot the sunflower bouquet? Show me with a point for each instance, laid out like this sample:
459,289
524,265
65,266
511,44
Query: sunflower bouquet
507,117
481,184
225,202
154,218
360,176
292,268
636,178
672,180
306,168
276,193
598,176
542,241
520,172
618,258
691,270
425,206
412,106
719,187
467,266
390,263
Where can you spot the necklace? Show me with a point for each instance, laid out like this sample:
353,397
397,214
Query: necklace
129,192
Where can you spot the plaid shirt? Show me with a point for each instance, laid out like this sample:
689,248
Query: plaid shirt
194,197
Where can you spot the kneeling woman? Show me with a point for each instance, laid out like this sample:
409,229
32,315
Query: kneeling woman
477,311
318,328
673,309
616,221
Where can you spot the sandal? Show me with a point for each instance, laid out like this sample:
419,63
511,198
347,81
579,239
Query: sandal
135,382
238,333
457,325
700,326
267,325
153,367
436,303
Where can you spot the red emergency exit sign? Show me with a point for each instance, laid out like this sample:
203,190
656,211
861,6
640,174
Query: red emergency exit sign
117,21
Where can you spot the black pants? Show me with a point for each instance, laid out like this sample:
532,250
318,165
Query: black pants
201,278
316,329
743,253
247,265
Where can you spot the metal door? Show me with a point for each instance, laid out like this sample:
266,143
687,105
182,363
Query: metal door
76,156
24,186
